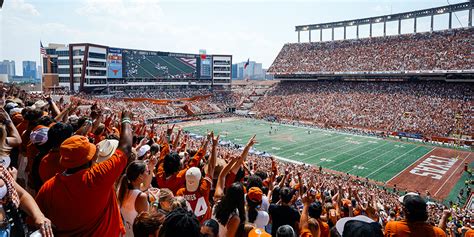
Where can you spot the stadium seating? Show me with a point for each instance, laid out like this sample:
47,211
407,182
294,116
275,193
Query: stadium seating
440,50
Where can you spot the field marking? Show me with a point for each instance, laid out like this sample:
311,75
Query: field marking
359,155
404,154
399,173
374,158
355,148
312,144
454,172
266,139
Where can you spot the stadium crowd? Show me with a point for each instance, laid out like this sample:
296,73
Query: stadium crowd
419,108
440,50
106,173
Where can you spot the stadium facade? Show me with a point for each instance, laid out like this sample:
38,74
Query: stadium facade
99,69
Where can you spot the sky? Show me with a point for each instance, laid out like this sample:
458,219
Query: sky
246,29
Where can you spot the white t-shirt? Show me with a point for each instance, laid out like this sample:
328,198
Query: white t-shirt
262,219
129,213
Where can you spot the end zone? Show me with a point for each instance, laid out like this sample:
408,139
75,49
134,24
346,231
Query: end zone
438,172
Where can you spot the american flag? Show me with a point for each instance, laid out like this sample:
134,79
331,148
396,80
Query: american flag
43,50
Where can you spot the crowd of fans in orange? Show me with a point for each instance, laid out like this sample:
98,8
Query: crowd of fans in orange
75,170
440,50
429,109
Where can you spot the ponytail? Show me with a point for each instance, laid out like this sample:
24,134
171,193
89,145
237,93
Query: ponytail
122,189
252,211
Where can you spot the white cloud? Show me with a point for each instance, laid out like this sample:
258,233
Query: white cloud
20,7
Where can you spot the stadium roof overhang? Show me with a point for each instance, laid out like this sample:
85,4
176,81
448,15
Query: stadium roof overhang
388,18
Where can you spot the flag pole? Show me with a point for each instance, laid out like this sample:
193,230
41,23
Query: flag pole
42,69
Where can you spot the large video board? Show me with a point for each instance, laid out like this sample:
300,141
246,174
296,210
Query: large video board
163,65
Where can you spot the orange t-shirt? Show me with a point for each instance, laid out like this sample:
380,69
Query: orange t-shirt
198,201
324,228
84,203
419,229
178,180
50,166
469,233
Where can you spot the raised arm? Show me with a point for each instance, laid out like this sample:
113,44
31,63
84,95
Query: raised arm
444,219
244,155
13,137
176,140
303,225
126,138
212,161
54,108
219,193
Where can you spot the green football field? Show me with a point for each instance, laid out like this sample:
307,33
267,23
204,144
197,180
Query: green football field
364,156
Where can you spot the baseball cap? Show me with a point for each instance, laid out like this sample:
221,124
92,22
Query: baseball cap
413,202
401,198
358,226
107,148
255,194
259,232
39,135
11,105
76,151
143,150
15,111
193,176
39,104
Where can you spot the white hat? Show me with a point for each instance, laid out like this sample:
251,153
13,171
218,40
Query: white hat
143,150
39,104
106,149
342,222
400,199
193,176
15,110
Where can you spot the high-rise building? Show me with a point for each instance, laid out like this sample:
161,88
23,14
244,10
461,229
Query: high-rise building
7,67
29,69
252,71
38,72
234,71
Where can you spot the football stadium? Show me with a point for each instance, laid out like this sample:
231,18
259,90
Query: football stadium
359,128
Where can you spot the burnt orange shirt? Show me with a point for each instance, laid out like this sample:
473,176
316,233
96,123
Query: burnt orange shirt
84,203
417,229
469,233
324,228
50,166
177,180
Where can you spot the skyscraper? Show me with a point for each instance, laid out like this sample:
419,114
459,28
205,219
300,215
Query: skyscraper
7,67
29,69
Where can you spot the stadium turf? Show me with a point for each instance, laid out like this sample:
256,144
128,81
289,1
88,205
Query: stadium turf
364,156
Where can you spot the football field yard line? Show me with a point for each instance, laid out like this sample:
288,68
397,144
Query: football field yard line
244,133
345,152
334,149
373,158
454,172
404,154
375,148
307,143
312,144
411,164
